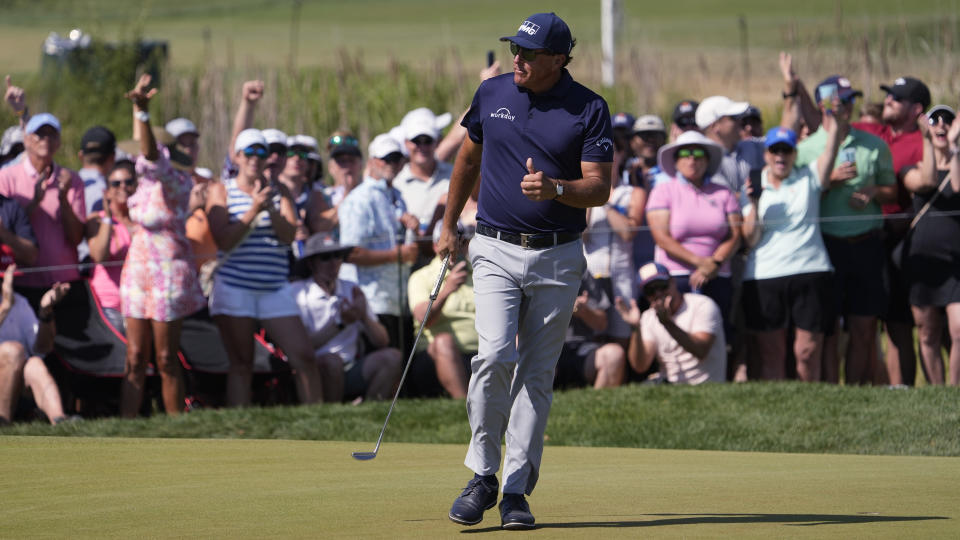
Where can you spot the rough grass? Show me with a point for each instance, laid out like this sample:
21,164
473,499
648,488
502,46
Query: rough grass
754,417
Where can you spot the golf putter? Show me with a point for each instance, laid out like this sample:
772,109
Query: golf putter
365,456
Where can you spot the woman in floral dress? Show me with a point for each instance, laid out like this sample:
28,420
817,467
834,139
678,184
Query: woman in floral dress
158,285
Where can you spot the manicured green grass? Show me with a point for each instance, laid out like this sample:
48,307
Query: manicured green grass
755,417
157,488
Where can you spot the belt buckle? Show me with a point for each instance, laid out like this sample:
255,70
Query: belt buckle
523,240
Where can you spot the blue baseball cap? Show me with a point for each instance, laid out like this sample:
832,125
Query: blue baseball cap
650,272
623,120
37,121
778,135
844,89
543,31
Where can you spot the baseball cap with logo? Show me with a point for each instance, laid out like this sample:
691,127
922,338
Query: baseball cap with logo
37,121
684,114
382,146
179,126
844,90
543,31
716,107
98,140
649,122
780,135
622,120
650,272
910,89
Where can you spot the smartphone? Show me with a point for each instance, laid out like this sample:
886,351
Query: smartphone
756,186
848,155
490,58
827,93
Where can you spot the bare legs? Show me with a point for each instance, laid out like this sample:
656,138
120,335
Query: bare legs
772,350
609,366
447,358
163,337
930,321
19,372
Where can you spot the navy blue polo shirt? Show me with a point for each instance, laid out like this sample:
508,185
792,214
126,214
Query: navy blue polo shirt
558,128
14,219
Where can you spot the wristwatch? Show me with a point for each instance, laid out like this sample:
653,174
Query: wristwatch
559,189
143,116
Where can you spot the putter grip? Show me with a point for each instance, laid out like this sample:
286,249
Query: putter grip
443,272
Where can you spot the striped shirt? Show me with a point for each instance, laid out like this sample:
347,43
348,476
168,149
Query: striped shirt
259,262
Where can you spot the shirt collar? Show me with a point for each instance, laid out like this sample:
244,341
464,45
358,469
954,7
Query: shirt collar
375,183
557,90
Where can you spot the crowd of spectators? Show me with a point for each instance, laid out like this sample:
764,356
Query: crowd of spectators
725,252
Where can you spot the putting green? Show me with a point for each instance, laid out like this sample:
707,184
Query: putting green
75,487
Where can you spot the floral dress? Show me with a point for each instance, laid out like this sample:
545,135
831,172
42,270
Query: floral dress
159,280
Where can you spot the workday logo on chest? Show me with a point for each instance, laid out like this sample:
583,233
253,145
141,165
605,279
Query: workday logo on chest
503,113
529,27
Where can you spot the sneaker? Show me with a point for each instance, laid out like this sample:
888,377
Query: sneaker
479,495
515,512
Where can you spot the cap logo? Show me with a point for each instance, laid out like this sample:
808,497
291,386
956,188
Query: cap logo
843,82
529,27
503,113
900,81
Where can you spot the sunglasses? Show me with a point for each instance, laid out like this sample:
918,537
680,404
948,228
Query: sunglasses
780,149
129,182
422,140
255,150
299,153
337,140
277,148
393,158
941,116
695,153
528,55
655,287
329,256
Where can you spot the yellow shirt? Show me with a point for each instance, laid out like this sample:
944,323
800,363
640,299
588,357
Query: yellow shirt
458,313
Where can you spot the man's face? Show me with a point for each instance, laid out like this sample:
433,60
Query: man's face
535,73
896,110
324,267
296,164
646,143
728,130
189,144
345,169
387,167
43,143
277,159
422,150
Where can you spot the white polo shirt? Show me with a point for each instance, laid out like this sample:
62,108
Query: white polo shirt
421,196
320,313
698,314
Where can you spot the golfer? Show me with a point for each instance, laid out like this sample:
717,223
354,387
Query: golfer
543,146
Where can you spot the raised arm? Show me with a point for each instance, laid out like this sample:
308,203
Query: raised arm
840,124
16,98
250,95
140,96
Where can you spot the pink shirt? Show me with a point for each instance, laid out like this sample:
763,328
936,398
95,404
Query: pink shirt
698,219
105,280
697,314
17,182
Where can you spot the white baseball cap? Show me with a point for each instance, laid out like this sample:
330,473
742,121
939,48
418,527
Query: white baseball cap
716,107
249,137
382,146
305,141
649,122
275,136
422,121
179,126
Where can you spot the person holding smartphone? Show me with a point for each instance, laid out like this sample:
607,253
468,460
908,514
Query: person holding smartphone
852,221
788,275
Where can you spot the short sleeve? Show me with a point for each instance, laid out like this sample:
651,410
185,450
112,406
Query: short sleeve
17,222
885,175
732,205
659,198
706,317
472,120
598,134
813,179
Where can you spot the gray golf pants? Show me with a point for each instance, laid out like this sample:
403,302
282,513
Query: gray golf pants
524,301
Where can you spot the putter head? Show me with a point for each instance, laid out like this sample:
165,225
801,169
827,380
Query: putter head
364,456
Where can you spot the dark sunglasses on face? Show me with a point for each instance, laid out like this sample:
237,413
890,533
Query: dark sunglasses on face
129,182
943,116
393,158
277,148
255,150
528,55
299,153
695,153
655,287
780,149
337,140
329,256
422,140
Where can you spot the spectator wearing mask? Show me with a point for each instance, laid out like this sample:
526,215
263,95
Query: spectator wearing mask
339,323
683,332
788,276
864,180
930,255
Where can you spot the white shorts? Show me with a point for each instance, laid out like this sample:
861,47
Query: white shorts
237,302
